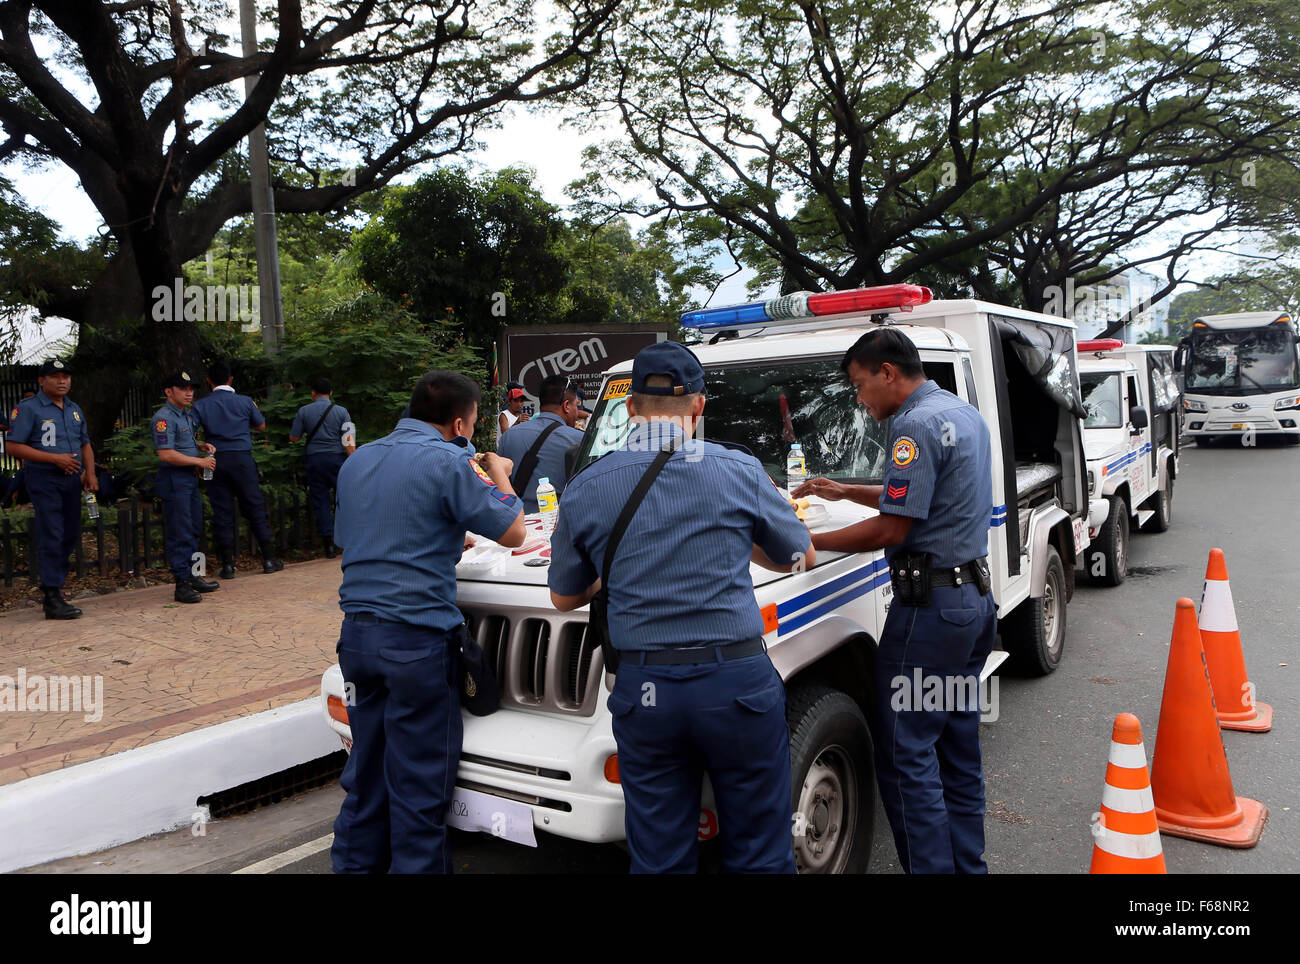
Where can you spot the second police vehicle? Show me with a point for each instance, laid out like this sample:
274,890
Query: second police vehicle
547,759
1131,440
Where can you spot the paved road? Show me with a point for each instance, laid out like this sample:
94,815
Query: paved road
1045,757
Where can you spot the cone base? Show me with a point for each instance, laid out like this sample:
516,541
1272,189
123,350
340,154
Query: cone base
1262,723
1104,863
1242,835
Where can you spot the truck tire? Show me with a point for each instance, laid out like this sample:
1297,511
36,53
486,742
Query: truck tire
1205,441
1163,505
1034,633
833,781
1111,547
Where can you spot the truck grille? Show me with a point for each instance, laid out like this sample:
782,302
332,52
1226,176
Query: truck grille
540,663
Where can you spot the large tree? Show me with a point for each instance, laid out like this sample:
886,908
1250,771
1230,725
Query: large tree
136,98
989,148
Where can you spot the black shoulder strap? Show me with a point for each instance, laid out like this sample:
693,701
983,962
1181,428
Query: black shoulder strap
633,503
528,464
319,422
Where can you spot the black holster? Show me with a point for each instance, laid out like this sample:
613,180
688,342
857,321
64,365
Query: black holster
909,573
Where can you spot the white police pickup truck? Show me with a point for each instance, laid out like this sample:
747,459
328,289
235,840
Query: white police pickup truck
547,760
1131,439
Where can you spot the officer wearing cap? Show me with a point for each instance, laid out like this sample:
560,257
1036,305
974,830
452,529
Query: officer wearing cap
934,508
48,432
551,432
695,691
174,437
331,438
405,502
227,419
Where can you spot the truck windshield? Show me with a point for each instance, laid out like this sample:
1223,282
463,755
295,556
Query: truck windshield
1101,399
766,407
1242,362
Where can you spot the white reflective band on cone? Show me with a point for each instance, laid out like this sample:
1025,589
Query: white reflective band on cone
1217,612
1128,755
1127,801
1136,846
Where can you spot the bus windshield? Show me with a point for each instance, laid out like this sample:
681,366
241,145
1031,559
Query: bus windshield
1242,362
766,407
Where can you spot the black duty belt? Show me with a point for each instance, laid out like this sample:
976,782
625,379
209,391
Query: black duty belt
913,577
697,654
954,576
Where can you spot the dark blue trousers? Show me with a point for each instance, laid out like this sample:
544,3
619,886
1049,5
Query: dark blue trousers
56,498
322,479
675,723
927,744
182,517
406,738
235,478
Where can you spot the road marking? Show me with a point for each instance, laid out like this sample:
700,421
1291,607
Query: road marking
288,857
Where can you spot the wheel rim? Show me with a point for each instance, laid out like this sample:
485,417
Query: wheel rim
1121,547
1051,617
828,801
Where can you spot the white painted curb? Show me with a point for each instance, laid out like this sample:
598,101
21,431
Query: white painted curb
153,788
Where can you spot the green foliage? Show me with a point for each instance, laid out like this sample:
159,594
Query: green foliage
1276,286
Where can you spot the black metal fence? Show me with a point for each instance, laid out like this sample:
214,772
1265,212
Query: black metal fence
129,538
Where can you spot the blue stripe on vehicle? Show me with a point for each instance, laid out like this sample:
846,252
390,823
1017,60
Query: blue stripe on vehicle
835,585
789,626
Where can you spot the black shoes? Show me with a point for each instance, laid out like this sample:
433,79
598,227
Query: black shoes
203,585
185,593
271,564
227,570
331,550
56,607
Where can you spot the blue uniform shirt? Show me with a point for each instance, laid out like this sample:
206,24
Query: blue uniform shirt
680,576
227,418
174,429
328,439
938,474
38,422
404,504
550,460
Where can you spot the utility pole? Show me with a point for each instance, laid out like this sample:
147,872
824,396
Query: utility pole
268,253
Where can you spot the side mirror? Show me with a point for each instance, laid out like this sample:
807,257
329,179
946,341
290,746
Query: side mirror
1179,355
1138,418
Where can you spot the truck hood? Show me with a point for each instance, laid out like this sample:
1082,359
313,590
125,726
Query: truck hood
1104,443
488,563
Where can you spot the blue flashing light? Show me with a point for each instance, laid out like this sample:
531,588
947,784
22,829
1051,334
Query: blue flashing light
725,317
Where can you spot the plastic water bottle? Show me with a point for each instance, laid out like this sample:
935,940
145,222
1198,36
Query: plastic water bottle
796,468
207,473
92,506
548,503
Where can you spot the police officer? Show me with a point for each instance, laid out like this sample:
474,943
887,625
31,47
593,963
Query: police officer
323,422
553,429
695,691
226,419
933,524
48,432
174,436
405,502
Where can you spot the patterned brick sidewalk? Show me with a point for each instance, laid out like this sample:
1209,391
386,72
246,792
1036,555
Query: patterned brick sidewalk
167,668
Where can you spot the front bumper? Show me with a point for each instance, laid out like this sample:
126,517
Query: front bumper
553,764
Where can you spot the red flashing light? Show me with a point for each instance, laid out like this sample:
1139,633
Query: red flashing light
1101,344
902,297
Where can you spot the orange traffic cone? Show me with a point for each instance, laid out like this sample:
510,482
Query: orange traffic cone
1234,694
1189,773
1127,840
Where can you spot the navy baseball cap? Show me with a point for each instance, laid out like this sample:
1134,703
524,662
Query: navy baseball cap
54,366
178,380
672,359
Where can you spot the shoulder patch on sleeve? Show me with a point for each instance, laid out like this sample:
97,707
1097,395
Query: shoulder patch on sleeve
478,470
905,451
14,413
160,426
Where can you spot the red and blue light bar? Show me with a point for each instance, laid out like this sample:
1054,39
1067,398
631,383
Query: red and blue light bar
805,304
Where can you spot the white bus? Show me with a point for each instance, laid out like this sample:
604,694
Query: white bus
1241,377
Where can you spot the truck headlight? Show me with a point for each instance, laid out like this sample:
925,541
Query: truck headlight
1192,405
1092,482
1285,404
